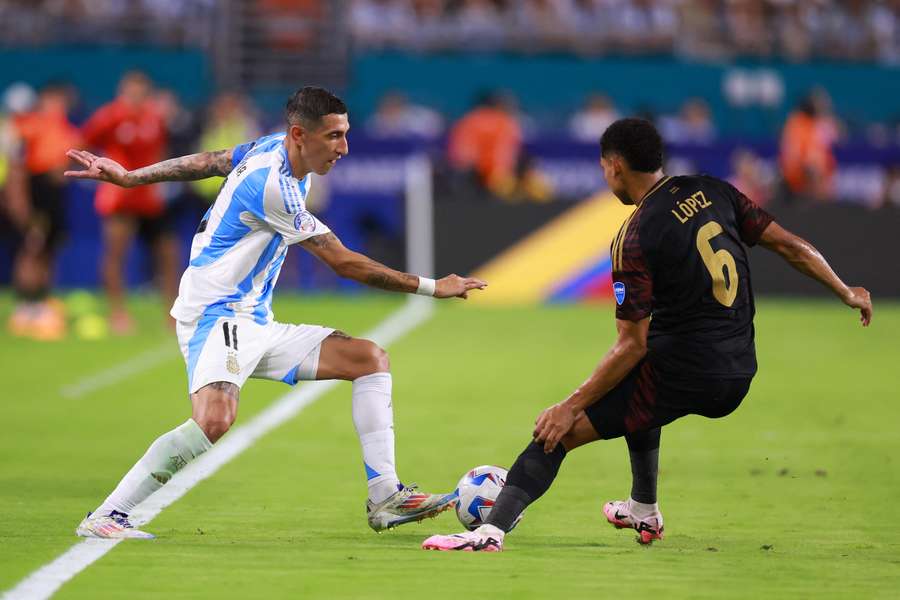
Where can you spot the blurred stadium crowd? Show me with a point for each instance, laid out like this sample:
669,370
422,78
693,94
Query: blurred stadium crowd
795,29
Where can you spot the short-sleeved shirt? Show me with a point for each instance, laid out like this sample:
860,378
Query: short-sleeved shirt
134,136
241,243
681,257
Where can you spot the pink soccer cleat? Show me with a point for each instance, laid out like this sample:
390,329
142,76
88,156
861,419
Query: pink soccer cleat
618,513
486,538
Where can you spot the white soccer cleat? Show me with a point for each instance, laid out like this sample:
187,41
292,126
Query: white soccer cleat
113,526
486,538
649,528
406,506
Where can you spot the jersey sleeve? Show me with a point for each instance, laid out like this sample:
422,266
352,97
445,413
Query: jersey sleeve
284,209
632,279
240,151
751,219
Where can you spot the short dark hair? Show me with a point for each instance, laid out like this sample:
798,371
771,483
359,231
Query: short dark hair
635,140
309,104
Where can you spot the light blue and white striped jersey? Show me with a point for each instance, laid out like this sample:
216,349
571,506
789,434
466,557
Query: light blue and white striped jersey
241,243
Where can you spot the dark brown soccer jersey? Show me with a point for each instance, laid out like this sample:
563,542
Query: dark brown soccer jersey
681,258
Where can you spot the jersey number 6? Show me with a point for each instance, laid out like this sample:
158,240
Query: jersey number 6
717,262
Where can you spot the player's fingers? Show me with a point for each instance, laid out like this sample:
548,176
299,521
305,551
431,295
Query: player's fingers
78,156
473,282
550,442
79,174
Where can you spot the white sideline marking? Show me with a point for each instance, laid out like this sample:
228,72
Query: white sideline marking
120,372
44,582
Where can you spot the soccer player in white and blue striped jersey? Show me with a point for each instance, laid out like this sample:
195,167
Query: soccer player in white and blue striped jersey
224,318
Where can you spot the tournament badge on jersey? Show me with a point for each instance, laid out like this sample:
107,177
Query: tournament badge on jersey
304,222
619,292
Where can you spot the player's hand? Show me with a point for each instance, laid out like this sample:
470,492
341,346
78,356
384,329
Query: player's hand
552,425
454,286
858,297
99,168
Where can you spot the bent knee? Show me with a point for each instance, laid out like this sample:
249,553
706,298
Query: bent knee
215,409
215,426
372,358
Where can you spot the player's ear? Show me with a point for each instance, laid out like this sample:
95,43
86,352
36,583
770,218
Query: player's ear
296,133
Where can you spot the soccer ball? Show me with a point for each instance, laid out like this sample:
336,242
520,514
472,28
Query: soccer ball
477,491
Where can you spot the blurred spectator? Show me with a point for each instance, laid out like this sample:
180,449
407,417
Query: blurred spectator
892,188
748,30
290,24
231,121
378,23
692,125
751,177
397,117
35,203
551,24
806,157
132,131
480,24
588,124
488,140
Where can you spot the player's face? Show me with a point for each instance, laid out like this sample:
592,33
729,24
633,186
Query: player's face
612,172
322,147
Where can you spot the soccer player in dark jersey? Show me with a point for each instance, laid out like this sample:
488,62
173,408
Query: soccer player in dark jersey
684,316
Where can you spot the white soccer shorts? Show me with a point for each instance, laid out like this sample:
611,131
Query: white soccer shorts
235,348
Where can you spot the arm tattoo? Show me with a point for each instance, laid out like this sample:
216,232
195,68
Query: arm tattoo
359,267
392,281
319,241
185,168
225,387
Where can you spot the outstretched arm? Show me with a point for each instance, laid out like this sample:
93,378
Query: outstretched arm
353,265
183,168
804,257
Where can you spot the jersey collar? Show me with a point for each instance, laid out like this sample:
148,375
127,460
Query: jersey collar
655,187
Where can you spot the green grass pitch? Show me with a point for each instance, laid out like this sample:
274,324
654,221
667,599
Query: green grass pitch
794,495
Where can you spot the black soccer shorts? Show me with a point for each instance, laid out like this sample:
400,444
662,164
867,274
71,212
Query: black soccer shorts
645,400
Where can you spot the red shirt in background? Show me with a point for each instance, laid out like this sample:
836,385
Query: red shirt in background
134,136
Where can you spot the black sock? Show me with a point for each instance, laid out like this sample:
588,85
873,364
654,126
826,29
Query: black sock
643,449
528,479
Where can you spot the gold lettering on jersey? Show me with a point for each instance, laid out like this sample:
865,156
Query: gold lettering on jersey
690,206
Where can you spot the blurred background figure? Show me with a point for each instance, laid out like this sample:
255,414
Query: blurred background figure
132,131
35,202
589,123
750,175
487,141
807,159
230,121
692,125
397,117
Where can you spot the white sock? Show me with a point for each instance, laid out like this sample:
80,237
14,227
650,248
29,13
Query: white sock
641,510
165,457
373,417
